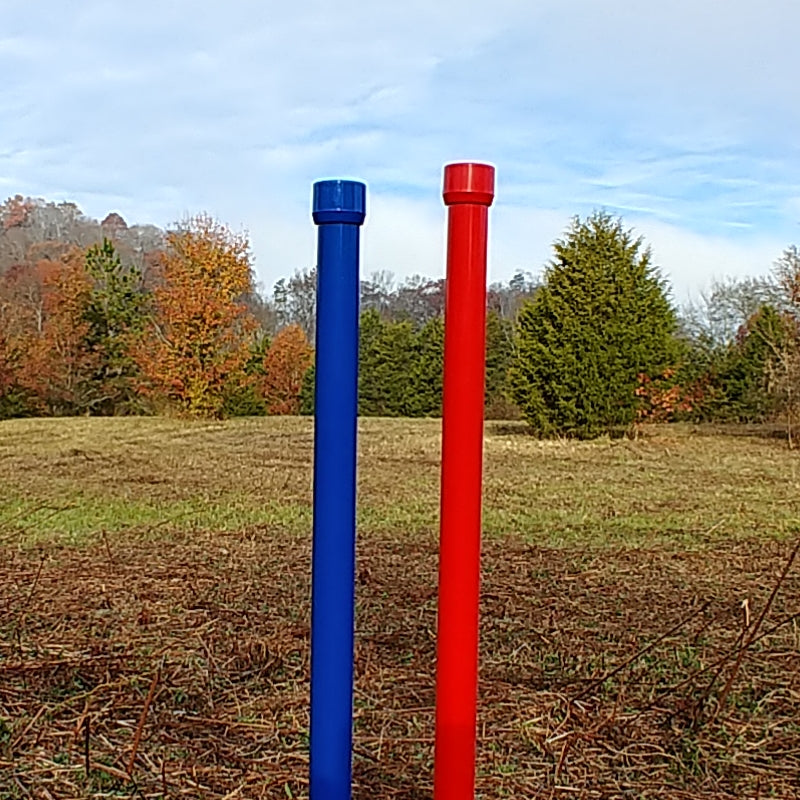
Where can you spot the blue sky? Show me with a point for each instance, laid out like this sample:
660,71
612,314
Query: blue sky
683,117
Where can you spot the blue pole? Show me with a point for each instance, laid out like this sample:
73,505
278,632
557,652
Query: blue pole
339,208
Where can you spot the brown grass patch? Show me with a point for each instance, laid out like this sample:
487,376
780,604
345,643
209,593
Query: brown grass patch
197,645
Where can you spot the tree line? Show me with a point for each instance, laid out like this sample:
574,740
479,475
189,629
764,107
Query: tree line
106,319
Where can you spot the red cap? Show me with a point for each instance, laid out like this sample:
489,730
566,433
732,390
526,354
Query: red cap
468,183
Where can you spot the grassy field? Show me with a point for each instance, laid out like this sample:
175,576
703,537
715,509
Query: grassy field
640,612
70,480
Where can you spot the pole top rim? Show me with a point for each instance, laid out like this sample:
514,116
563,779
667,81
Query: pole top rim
468,182
339,201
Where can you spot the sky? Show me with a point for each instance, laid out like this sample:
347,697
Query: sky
682,117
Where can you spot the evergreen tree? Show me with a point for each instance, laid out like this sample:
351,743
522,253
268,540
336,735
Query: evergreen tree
427,371
114,311
400,367
387,352
307,391
600,320
244,398
371,392
499,358
743,374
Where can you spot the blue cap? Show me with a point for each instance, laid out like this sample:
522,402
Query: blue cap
339,201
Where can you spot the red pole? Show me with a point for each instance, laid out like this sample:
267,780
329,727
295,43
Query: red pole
468,193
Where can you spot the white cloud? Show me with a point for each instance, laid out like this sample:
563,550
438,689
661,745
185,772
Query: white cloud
681,116
407,237
691,261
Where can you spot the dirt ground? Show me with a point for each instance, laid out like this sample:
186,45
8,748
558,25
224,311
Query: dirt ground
178,667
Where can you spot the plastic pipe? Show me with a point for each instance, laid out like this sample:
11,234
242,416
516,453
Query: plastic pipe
339,208
468,193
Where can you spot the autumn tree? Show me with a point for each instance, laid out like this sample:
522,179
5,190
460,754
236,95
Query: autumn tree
26,222
7,369
6,356
24,291
56,364
16,211
13,402
197,344
664,398
17,286
285,365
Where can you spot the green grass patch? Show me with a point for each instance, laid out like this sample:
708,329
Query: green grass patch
70,480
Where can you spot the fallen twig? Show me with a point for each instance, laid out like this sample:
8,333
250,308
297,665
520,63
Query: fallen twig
754,630
674,629
138,735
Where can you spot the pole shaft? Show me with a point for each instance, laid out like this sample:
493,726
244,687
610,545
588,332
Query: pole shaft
469,190
335,424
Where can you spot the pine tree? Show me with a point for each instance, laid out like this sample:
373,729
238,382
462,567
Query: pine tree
425,380
601,319
245,398
499,358
744,371
400,367
307,391
371,391
387,354
114,313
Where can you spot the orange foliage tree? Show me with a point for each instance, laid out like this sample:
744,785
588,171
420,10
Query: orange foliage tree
285,365
17,210
54,362
661,398
194,352
12,321
7,354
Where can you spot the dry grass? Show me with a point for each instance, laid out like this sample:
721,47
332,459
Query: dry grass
638,637
68,480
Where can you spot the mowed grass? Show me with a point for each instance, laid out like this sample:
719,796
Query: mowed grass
76,480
